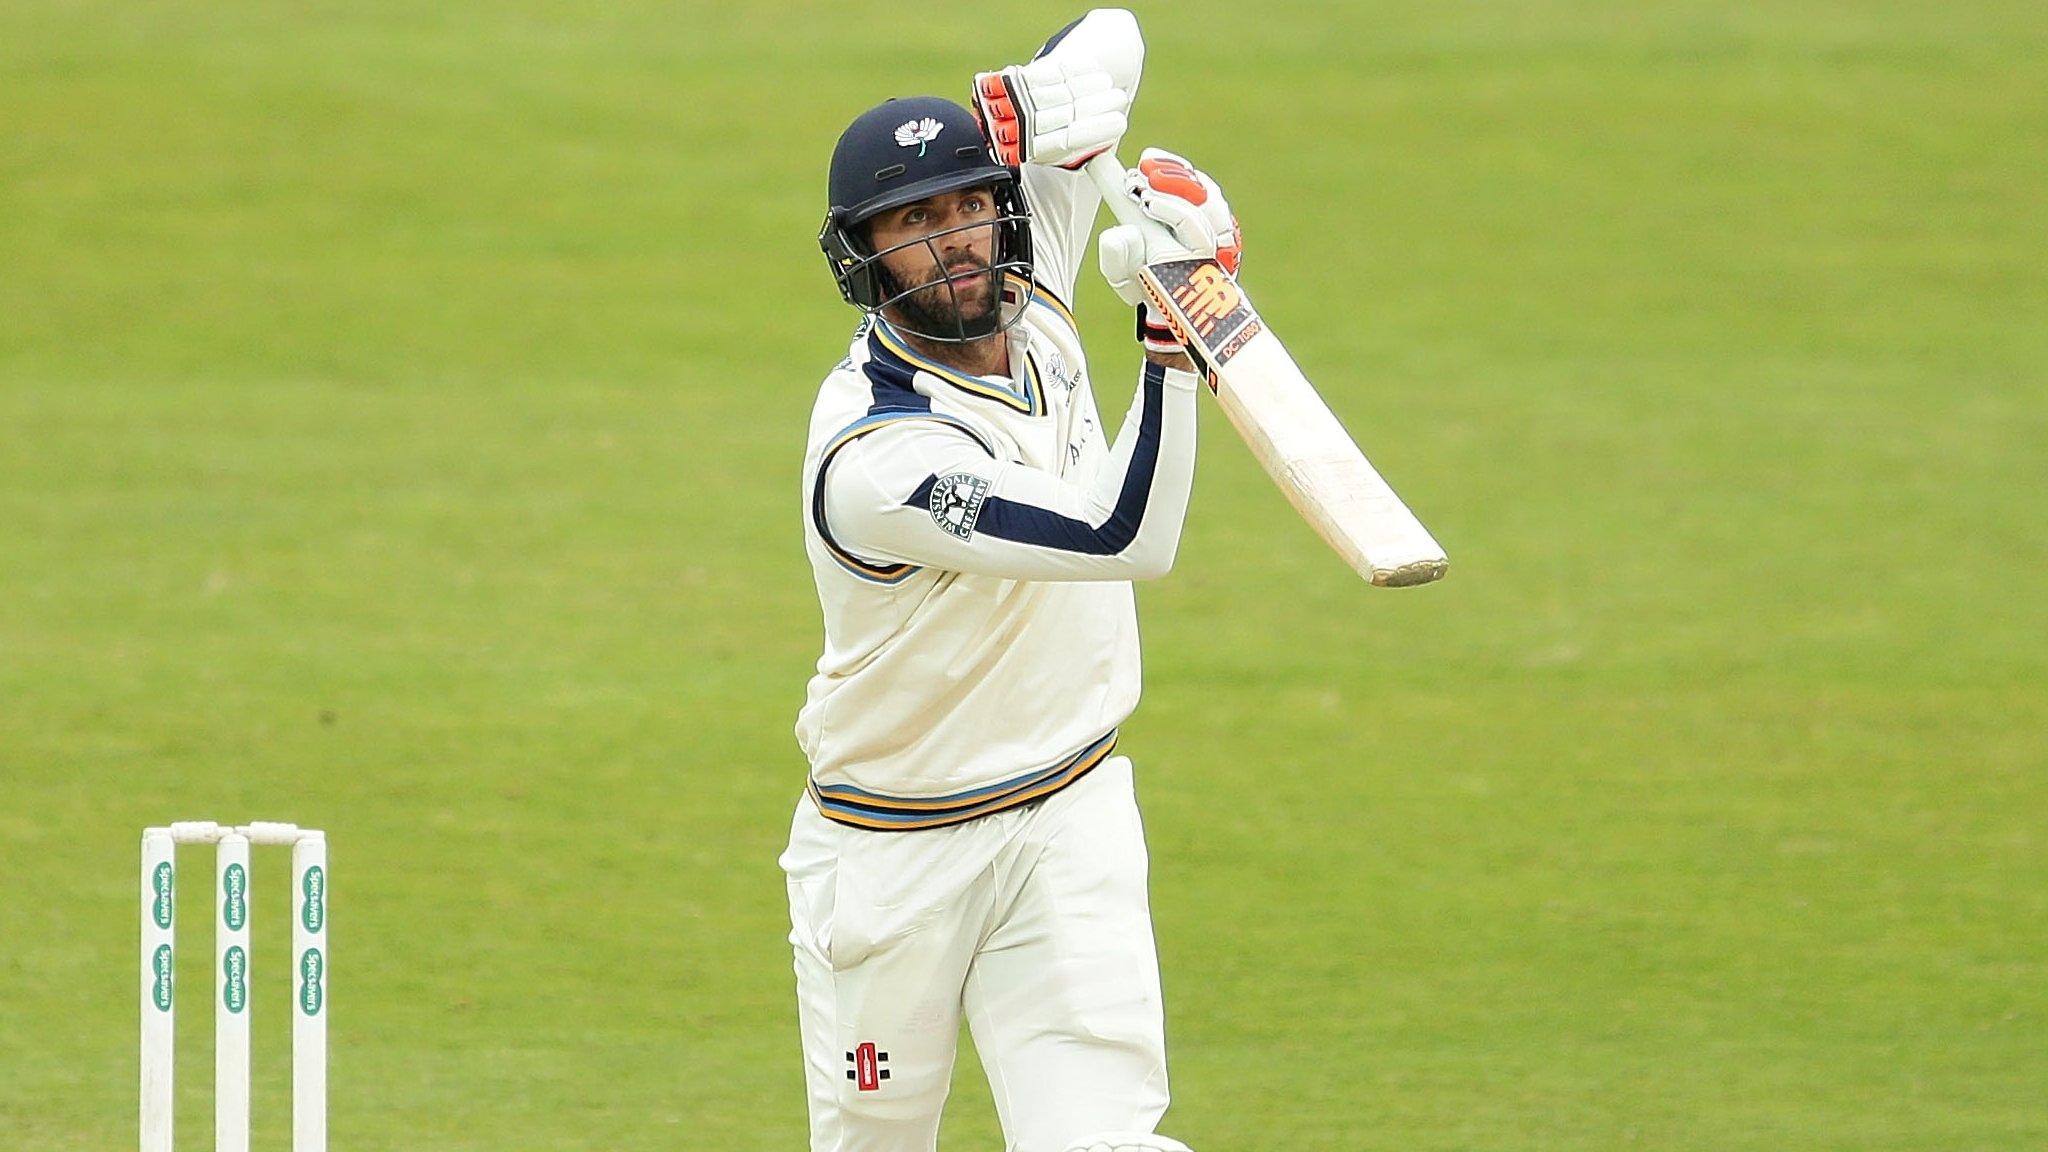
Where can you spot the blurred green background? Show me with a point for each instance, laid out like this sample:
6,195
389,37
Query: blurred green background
400,415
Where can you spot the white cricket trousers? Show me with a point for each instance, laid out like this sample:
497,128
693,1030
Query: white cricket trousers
1034,922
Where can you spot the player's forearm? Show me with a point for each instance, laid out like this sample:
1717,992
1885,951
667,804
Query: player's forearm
1163,461
931,497
1125,525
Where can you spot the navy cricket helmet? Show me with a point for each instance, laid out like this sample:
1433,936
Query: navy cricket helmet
900,152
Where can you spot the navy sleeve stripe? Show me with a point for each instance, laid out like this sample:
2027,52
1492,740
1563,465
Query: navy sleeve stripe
1030,524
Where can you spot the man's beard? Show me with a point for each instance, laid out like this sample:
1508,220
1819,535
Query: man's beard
937,310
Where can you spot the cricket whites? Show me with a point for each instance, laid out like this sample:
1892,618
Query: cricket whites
1292,432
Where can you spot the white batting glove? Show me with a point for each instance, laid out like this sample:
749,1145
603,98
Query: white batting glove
1072,101
1195,223
1057,112
1182,197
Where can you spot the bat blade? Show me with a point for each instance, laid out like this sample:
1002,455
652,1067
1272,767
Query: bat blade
1291,431
1282,418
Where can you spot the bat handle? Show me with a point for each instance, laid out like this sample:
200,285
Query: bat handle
1108,173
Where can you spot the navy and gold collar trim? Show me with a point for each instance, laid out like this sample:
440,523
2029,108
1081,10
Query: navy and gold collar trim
888,346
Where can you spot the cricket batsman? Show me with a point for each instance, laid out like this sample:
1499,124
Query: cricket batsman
969,841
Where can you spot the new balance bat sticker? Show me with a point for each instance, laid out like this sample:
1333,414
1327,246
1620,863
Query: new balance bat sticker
1294,435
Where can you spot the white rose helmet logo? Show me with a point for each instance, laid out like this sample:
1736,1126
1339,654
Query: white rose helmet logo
918,132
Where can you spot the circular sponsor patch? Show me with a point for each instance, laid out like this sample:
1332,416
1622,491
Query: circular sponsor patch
956,502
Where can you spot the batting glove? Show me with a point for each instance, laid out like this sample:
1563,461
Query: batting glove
1194,223
1072,101
1057,111
1175,193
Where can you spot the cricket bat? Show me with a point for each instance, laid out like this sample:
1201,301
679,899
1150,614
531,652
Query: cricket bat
1294,435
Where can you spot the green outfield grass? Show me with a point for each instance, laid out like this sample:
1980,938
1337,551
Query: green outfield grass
400,413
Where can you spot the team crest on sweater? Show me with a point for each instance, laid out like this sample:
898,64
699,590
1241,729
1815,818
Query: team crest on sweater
956,502
1056,367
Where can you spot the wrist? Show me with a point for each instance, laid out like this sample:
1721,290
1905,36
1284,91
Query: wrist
1158,338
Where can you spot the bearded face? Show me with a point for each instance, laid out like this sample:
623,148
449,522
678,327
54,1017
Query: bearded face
958,301
937,265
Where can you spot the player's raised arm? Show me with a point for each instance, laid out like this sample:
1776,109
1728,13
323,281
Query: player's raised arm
1050,116
927,491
